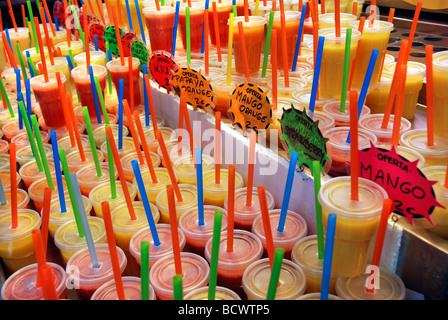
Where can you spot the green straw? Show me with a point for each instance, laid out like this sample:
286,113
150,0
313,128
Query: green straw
275,273
109,78
33,27
22,65
33,67
178,290
30,135
187,25
110,160
214,255
320,229
144,273
101,98
268,44
235,14
85,111
68,182
5,95
40,145
348,36
81,33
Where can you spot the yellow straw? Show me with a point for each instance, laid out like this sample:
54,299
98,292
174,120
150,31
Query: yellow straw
229,50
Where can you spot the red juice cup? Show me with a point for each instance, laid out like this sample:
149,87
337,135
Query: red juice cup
118,71
196,23
373,123
12,129
160,25
85,278
83,85
47,94
29,172
195,271
131,287
342,119
223,10
22,201
22,284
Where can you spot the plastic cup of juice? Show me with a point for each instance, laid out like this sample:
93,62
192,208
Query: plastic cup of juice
60,65
165,248
21,285
378,94
195,274
113,119
223,9
68,241
222,99
118,71
185,170
305,254
196,22
76,47
102,192
5,115
12,129
37,188
342,119
440,81
61,132
88,177
16,244
131,287
221,293
332,65
292,280
160,25
126,163
75,162
66,144
339,150
216,193
277,113
128,147
373,123
357,221
303,95
284,91
153,143
34,55
327,20
153,189
47,94
417,140
29,172
172,149
196,235
85,278
4,147
22,201
4,161
96,57
189,200
60,36
354,288
25,154
2,56
22,36
373,37
295,229
21,140
99,134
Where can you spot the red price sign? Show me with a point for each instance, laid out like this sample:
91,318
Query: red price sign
161,66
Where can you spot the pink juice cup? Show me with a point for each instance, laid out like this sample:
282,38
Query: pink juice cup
131,287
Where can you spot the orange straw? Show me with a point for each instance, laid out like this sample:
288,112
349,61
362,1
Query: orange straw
250,174
11,13
151,103
206,49
13,177
42,16
322,6
121,175
284,45
174,229
157,5
246,10
266,223
86,35
413,28
65,111
42,53
23,16
145,147
354,144
355,60
337,17
99,4
355,8
180,126
390,19
133,132
218,147
274,67
44,225
216,24
67,26
49,290
243,47
117,34
399,104
391,15
8,51
429,95
120,18
230,208
39,251
113,250
75,128
131,83
108,9
50,50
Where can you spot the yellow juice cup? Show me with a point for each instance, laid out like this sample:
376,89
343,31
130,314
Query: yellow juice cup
34,55
303,95
128,147
153,189
153,144
440,83
76,47
126,163
326,20
349,7
60,36
186,171
96,57
22,35
61,66
189,200
378,94
102,192
22,201
99,134
216,193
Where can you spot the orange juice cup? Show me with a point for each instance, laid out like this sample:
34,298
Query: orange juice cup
303,95
222,99
36,191
440,82
89,179
29,172
75,162
327,20
185,170
102,192
22,201
126,163
189,200
378,94
216,193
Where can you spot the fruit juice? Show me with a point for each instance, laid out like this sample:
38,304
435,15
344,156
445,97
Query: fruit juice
373,123
88,177
118,71
102,192
185,170
60,36
197,235
332,65
81,76
4,147
37,188
48,96
12,129
68,241
5,115
330,6
22,201
222,99
22,35
342,119
196,23
327,20
128,147
34,55
61,131
223,10
349,7
21,140
16,244
99,135
25,154
96,57
221,293
131,286
286,92
165,247
440,82
189,195
415,75
292,281
128,170
216,193
378,94
75,162
66,144
357,221
282,104
88,278
2,56
160,27
153,143
262,9
60,65
153,189
4,162
172,146
29,172
125,228
76,46
305,254
195,271
5,178
58,218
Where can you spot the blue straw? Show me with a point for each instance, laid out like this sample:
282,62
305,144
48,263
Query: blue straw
176,19
109,55
19,95
84,220
70,63
203,29
129,15
57,167
328,256
95,37
139,16
366,84
29,64
8,38
144,198
120,114
2,195
315,85
95,95
46,16
299,38
200,186
287,194
145,71
56,22
28,97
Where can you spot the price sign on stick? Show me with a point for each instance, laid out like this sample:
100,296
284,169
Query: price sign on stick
127,39
198,91
110,36
250,107
404,183
99,31
161,67
303,135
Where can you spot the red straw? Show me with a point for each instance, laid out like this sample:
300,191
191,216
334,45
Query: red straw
337,17
230,208
174,231
284,45
266,224
117,35
39,251
446,178
355,8
274,67
151,103
13,177
67,26
49,289
113,250
218,147
133,132
322,6
121,175
65,111
131,83
413,28
399,104
120,18
216,24
250,174
86,35
354,144
243,47
206,49
11,13
50,50
429,95
246,10
42,53
157,5
44,224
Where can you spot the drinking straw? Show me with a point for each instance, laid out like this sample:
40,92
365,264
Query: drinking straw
218,147
113,250
174,230
186,115
6,98
413,29
99,5
215,21
206,46
234,9
145,147
243,47
19,94
120,113
47,35
246,10
86,35
204,35
299,38
145,96
287,193
348,39
216,239
319,227
56,22
85,112
157,5
354,195
84,221
144,267
95,40
151,103
78,24
275,273
117,34
75,128
22,64
121,175
13,178
200,186
322,6
284,45
30,136
95,96
110,160
315,42
49,17
328,259
229,49
178,287
2,195
42,54
266,223
11,13
140,22
128,10
268,43
68,26
429,95
65,111
399,104
108,9
48,286
355,8
99,94
44,225
8,38
131,83
169,165
7,47
58,173
230,208
251,165
337,17
33,26
316,75
43,155
380,235
176,19
133,132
